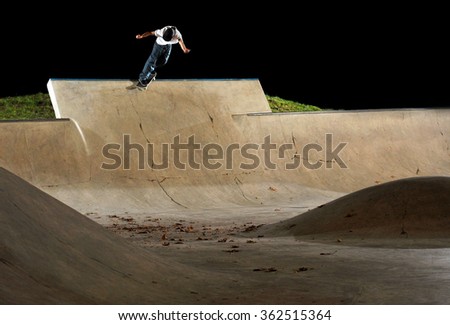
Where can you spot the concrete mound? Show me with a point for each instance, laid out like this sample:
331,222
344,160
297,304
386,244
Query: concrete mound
51,254
412,212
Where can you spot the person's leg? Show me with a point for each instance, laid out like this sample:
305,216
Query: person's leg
164,57
150,65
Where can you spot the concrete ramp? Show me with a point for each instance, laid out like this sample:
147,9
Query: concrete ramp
46,153
144,124
380,145
51,254
412,212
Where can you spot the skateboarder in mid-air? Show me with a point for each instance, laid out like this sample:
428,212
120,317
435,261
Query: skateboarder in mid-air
162,47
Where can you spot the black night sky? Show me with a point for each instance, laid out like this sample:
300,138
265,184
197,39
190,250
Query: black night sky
335,56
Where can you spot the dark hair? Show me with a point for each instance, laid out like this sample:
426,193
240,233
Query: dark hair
169,32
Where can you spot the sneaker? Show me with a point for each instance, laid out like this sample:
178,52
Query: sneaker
141,86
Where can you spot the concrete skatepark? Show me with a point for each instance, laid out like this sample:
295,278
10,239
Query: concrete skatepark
252,207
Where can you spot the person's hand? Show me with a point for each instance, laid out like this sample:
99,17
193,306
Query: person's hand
138,36
186,51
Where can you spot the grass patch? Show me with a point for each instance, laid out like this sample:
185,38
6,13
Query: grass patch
39,107
28,107
280,105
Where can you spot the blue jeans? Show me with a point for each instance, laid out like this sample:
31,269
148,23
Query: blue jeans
159,57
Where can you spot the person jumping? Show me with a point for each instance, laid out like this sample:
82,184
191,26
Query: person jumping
160,54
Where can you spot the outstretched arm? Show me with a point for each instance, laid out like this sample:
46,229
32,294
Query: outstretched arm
183,46
146,34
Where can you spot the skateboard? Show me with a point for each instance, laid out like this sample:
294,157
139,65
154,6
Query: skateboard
137,84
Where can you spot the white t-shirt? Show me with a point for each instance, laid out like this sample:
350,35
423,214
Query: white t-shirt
159,36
